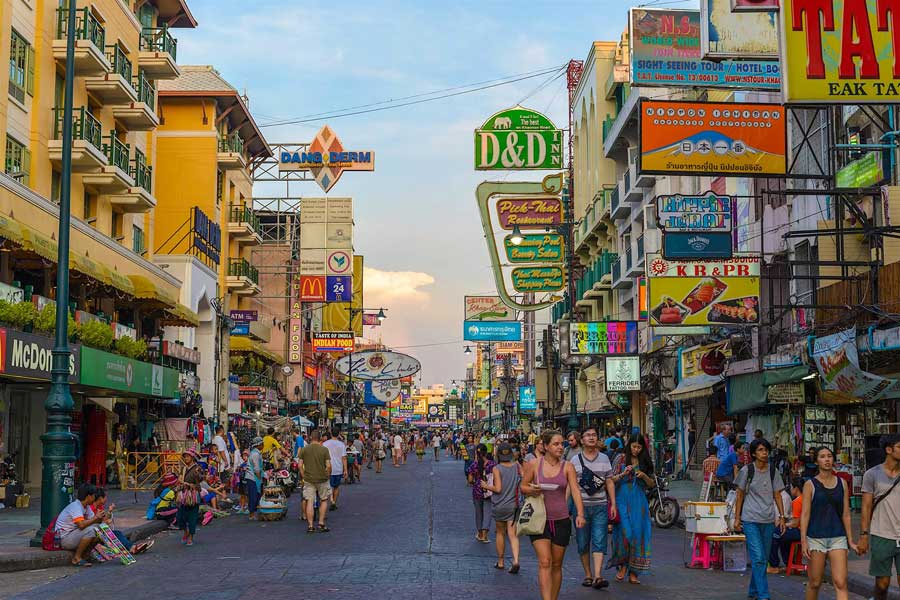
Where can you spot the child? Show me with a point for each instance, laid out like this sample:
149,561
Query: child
237,482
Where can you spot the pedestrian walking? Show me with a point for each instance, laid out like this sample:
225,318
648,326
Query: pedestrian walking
253,476
359,448
755,513
503,483
396,448
536,452
478,473
420,448
379,453
315,468
573,439
825,530
338,451
880,520
188,496
630,547
436,445
469,452
552,477
598,494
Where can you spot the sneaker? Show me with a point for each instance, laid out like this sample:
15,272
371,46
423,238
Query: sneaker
184,539
190,543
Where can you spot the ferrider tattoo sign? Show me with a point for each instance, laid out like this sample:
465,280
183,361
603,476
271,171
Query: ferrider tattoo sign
518,139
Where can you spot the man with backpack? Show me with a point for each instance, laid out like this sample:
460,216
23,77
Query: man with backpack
880,520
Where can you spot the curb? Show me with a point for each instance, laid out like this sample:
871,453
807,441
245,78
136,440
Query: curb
857,583
29,559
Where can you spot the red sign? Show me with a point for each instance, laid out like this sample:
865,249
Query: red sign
181,352
754,5
312,288
529,213
713,363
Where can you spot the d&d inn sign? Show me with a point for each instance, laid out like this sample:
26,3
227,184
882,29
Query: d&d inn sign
518,138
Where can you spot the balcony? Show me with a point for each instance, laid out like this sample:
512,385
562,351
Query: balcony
634,263
619,270
242,277
157,53
618,209
632,193
641,180
138,197
139,115
90,42
87,141
114,87
230,153
115,176
243,225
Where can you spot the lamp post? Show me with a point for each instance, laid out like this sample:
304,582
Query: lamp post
58,441
381,317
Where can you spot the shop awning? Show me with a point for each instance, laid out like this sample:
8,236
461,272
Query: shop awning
88,266
245,344
302,421
181,316
784,375
698,386
11,229
40,244
745,392
145,288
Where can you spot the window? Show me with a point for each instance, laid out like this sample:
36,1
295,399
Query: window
21,67
55,186
146,15
116,232
18,160
59,91
137,240
90,208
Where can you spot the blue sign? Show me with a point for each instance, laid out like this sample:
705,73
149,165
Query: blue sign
494,331
241,329
687,245
339,288
527,398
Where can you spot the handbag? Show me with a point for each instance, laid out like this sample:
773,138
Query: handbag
532,518
490,481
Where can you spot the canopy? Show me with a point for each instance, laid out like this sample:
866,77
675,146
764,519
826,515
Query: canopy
145,288
745,392
697,386
302,421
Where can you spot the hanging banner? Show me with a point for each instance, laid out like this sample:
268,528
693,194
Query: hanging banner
840,51
694,213
622,373
741,139
725,34
837,360
518,138
535,248
527,398
665,51
529,213
604,337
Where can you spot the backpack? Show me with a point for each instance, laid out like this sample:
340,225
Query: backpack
751,471
50,541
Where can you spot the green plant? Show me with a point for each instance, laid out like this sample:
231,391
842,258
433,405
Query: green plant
21,314
96,334
135,349
237,362
45,322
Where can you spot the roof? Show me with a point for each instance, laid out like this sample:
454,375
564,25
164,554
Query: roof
175,13
203,81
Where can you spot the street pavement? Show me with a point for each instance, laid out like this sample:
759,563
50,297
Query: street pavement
405,534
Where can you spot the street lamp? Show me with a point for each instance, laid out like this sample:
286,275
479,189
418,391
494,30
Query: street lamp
468,350
58,442
516,238
381,316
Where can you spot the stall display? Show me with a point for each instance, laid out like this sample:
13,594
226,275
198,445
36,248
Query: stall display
273,504
819,427
852,449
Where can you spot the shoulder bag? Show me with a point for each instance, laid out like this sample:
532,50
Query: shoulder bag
532,518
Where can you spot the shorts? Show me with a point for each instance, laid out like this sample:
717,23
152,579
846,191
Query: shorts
558,532
207,498
884,554
71,539
592,537
336,480
311,490
828,544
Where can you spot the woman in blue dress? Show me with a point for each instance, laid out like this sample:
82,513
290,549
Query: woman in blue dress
630,543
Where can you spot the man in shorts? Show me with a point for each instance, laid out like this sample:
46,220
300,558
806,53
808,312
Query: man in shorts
315,469
880,520
77,524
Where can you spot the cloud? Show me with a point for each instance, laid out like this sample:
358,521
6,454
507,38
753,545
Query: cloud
382,287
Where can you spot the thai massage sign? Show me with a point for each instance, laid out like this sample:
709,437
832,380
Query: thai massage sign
538,279
517,139
840,51
529,213
327,159
535,248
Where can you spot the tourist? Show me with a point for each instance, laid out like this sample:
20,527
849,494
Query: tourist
504,487
420,448
253,477
76,525
239,482
536,452
573,438
436,446
223,458
338,452
188,496
880,519
396,448
630,548
598,495
379,452
478,473
360,449
316,471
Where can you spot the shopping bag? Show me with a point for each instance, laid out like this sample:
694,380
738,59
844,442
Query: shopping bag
532,517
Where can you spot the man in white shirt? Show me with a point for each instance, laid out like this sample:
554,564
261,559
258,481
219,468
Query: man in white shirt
77,525
598,494
397,446
338,451
436,445
224,460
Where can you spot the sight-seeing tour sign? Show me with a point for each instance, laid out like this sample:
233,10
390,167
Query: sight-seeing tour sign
327,159
517,139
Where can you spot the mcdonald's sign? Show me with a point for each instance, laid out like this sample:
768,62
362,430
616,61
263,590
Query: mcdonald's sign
312,288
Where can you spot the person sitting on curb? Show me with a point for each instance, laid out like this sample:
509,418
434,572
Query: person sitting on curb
76,525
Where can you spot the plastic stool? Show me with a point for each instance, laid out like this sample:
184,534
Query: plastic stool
701,553
795,567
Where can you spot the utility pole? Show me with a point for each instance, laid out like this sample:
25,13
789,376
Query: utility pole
573,76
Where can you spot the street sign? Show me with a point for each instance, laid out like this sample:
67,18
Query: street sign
496,331
244,315
518,139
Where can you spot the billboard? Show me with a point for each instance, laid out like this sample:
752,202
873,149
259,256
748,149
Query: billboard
604,337
527,398
706,138
498,331
665,51
837,360
846,55
518,139
375,365
487,308
336,315
694,213
332,341
725,34
326,159
623,373
312,288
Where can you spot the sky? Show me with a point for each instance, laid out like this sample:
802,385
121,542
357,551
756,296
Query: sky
416,220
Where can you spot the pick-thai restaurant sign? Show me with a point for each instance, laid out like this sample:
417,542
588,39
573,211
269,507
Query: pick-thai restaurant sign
518,138
487,308
693,213
841,51
375,365
665,50
31,356
735,138
529,213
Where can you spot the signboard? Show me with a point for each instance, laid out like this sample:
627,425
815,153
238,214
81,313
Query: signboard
837,360
31,356
697,245
642,298
693,213
487,308
538,279
604,337
529,213
327,159
338,235
312,261
846,55
692,358
111,371
623,373
241,329
207,238
339,262
724,34
371,319
332,341
518,138
312,288
436,413
10,293
527,398
244,315
313,210
665,51
339,210
786,393
535,248
864,172
497,331
181,352
704,138
723,292
754,5
375,365
338,288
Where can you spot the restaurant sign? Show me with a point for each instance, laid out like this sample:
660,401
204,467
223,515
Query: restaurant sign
31,356
529,213
518,138
375,365
332,341
535,248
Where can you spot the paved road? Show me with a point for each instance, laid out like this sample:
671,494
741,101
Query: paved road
405,534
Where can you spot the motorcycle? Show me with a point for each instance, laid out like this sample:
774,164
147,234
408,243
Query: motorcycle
664,510
280,477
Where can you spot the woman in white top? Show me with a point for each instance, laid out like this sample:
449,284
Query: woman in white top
436,445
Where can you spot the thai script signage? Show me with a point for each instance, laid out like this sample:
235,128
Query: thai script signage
864,172
487,308
529,213
327,159
535,248
517,139
111,371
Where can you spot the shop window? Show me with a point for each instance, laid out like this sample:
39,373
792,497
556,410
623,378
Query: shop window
18,160
21,67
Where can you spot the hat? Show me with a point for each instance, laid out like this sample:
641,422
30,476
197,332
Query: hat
192,453
170,479
257,441
504,452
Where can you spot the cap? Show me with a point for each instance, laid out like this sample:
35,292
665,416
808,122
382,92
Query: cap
257,441
504,452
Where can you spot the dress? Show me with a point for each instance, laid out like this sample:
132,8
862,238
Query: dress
505,503
630,543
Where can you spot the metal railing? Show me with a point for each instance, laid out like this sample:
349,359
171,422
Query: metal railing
158,39
87,26
607,125
239,267
640,248
146,91
617,269
84,126
117,152
120,63
144,470
141,172
614,200
241,213
231,143
627,178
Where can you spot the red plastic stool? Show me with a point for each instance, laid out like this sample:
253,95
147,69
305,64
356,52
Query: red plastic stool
702,555
795,567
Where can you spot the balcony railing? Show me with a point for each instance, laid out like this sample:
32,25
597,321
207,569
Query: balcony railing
628,258
146,91
614,200
231,143
120,63
239,267
627,180
607,125
241,213
87,26
117,152
640,248
141,172
617,269
158,39
84,126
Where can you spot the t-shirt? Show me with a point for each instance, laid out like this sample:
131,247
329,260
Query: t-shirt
315,458
224,464
299,442
436,442
726,465
269,444
70,516
254,466
338,450
759,503
601,468
569,453
358,445
723,447
398,442
886,517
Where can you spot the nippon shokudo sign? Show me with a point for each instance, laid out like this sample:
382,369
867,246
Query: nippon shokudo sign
622,373
703,292
529,213
518,138
841,51
603,337
487,308
735,138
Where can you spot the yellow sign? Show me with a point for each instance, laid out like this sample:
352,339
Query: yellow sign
483,394
840,51
691,357
421,405
336,315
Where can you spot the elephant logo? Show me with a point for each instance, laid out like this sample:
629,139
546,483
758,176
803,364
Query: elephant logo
502,123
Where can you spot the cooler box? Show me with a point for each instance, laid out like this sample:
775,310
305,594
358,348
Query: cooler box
705,517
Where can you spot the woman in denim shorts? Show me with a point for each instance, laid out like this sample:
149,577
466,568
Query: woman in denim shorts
825,530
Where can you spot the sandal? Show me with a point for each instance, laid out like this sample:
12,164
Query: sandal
82,563
499,566
600,583
310,530
633,580
588,582
620,576
323,528
514,569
